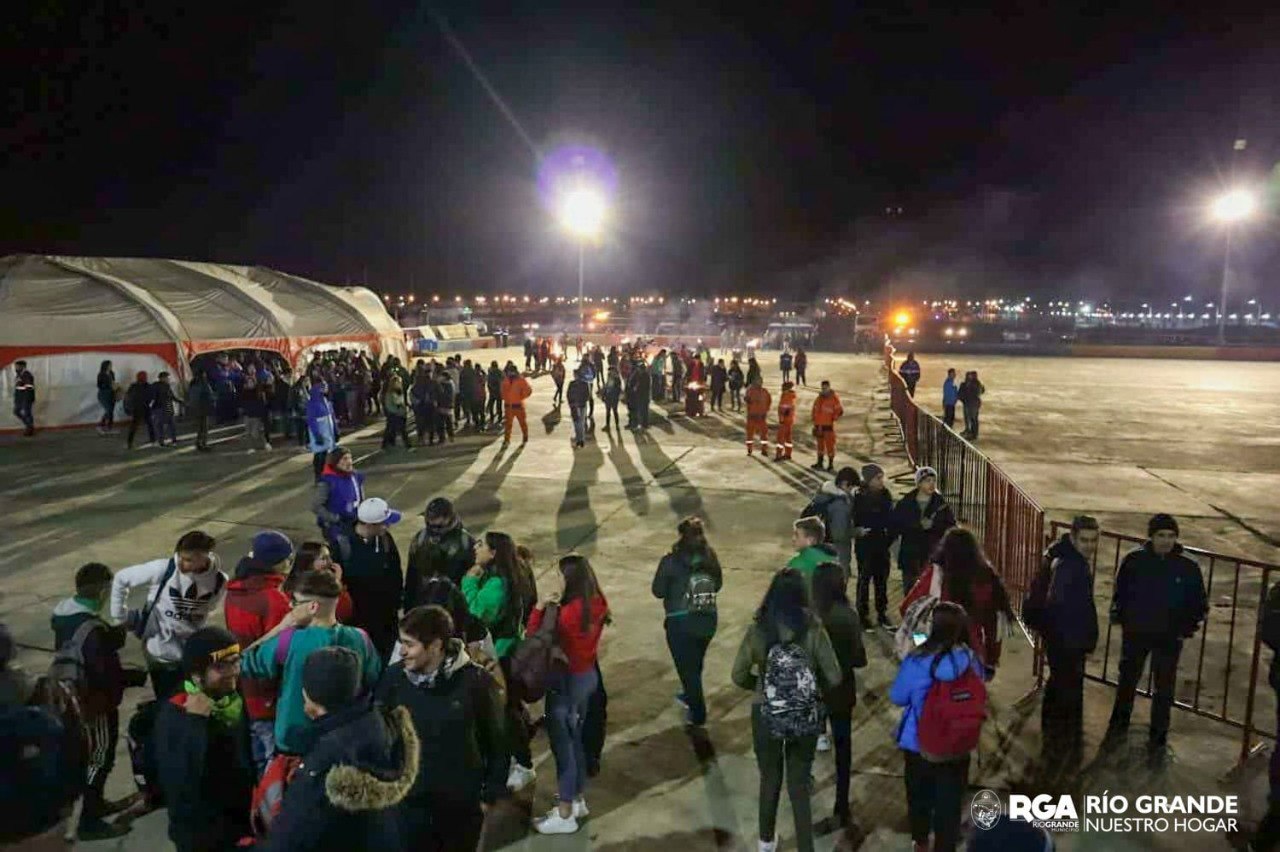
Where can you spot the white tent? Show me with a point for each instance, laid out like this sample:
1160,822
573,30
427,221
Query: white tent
65,315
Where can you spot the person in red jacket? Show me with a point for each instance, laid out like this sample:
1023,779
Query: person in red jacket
969,579
255,604
582,614
315,556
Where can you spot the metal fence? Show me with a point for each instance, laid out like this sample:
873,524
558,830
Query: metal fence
1221,674
1004,517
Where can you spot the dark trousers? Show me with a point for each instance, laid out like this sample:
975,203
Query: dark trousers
202,430
495,408
134,422
971,420
688,642
786,375
1267,837
789,761
515,719
442,424
300,427
440,822
422,423
317,463
735,398
717,399
642,413
949,414
397,424
22,410
935,792
873,566
163,424
595,724
842,739
166,680
800,379
1134,651
477,413
911,389
558,396
102,733
611,411
1062,712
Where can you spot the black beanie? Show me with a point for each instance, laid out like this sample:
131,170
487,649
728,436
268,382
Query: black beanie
205,647
331,677
1162,522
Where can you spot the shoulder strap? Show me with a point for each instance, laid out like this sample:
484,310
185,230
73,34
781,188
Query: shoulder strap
935,582
283,641
78,638
155,599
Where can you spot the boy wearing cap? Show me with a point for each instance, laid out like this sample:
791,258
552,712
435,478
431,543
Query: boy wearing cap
255,604
360,764
442,547
1159,601
873,536
371,569
203,757
181,592
921,517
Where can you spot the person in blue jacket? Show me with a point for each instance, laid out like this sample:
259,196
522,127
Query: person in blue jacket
950,396
935,790
338,493
1060,608
322,427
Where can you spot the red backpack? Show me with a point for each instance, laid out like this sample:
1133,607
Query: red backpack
951,719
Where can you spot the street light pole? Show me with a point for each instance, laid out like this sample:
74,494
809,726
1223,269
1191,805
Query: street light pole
1222,301
582,308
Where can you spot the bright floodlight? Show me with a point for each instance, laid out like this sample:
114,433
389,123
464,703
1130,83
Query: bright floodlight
582,212
1234,206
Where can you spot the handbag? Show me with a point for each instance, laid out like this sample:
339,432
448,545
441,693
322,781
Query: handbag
539,659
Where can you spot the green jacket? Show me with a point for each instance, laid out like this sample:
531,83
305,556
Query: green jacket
748,666
808,560
487,600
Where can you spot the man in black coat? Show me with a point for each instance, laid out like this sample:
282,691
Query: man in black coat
457,709
442,547
358,768
1159,601
1060,607
921,517
203,758
873,536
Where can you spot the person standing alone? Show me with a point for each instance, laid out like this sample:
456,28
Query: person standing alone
826,411
1159,601
24,397
687,582
910,372
950,394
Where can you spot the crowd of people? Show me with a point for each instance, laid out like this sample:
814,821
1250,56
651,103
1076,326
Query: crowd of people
358,698
967,393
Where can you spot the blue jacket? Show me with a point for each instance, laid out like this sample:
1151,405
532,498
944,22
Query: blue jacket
950,393
1067,618
320,422
912,685
342,495
361,765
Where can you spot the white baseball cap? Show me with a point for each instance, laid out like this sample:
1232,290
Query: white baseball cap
376,511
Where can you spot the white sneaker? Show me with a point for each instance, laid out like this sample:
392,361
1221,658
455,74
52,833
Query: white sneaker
553,823
520,777
824,742
267,447
771,846
251,451
580,810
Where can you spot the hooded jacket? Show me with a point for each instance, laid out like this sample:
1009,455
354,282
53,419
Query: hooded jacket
336,497
104,676
1161,596
489,601
918,543
807,560
345,796
451,553
255,604
206,773
837,511
912,683
1065,615
753,653
458,716
320,422
873,510
372,572
181,607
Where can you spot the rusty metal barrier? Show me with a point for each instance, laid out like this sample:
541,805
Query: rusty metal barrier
1005,518
1227,652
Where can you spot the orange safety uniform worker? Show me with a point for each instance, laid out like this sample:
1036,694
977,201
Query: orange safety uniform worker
826,411
758,404
515,390
786,419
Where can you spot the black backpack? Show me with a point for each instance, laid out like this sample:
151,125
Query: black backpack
818,508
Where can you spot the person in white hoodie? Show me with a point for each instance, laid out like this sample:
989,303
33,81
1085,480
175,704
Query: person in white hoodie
181,592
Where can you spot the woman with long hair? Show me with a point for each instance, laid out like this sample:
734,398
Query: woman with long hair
497,594
687,581
831,603
316,556
967,577
582,614
934,788
785,643
106,397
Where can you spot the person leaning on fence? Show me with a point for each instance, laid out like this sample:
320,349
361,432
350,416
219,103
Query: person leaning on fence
1060,607
1159,601
910,372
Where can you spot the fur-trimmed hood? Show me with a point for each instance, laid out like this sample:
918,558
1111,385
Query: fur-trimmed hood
358,788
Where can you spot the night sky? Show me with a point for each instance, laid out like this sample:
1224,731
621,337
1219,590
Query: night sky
1068,151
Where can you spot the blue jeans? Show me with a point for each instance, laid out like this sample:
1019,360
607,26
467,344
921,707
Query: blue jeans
566,708
579,424
262,740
